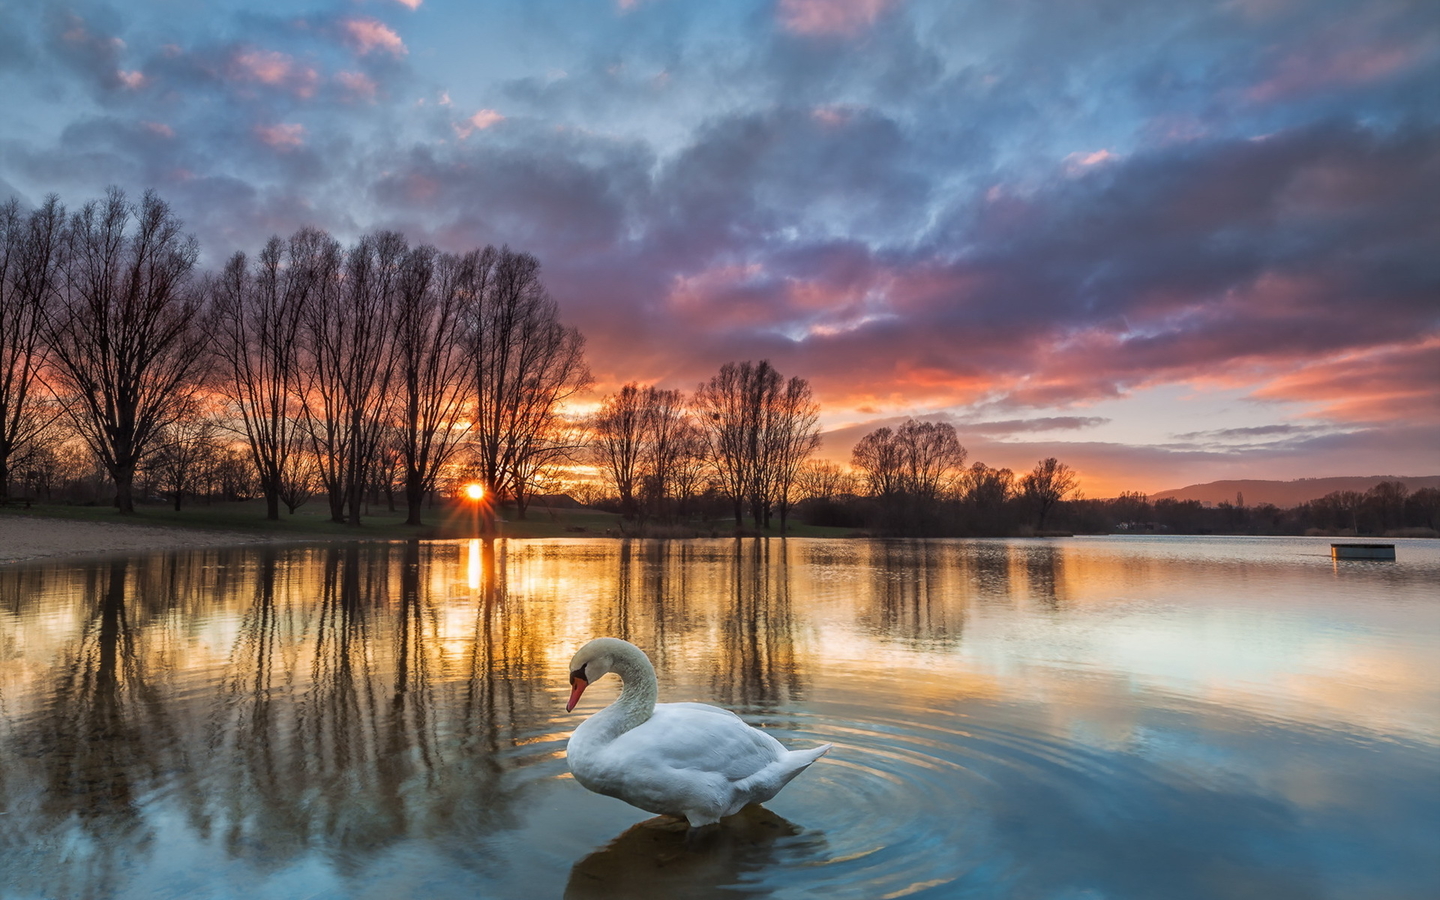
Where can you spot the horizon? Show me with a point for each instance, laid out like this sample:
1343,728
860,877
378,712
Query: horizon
1167,246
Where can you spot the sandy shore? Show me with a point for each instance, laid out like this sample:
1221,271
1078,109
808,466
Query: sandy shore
33,537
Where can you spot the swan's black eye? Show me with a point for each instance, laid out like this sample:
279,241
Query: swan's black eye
579,673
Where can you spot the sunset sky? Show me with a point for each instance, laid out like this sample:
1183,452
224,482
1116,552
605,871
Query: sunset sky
1165,242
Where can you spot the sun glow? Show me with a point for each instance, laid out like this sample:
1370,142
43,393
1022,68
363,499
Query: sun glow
475,491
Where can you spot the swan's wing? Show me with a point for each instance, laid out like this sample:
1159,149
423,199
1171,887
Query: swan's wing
696,738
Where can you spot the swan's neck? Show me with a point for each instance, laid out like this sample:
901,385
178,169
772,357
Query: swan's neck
638,693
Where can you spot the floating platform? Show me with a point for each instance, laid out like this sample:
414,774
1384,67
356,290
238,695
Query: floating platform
1362,551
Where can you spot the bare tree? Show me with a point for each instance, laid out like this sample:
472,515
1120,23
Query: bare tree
1046,485
349,324
436,291
792,434
31,248
759,428
258,314
729,408
183,446
669,431
125,337
918,459
986,488
820,479
526,365
617,443
876,457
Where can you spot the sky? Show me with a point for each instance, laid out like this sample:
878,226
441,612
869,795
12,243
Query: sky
1166,243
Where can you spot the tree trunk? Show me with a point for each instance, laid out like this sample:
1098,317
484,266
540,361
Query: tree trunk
414,497
272,503
125,493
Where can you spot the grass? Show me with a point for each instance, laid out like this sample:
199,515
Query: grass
312,522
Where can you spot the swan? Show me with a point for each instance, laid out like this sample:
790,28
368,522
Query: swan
688,760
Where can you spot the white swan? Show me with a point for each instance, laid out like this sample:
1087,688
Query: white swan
674,759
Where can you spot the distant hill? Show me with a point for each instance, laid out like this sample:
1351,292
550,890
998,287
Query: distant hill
1286,494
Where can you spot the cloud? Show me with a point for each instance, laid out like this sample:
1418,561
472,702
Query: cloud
830,17
272,69
284,136
370,35
1043,423
485,118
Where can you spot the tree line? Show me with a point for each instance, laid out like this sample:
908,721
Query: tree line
313,369
333,367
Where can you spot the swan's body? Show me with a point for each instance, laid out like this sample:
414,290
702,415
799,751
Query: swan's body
677,759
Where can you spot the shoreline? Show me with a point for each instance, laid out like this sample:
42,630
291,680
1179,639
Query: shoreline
26,538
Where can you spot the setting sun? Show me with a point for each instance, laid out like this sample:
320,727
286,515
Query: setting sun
475,491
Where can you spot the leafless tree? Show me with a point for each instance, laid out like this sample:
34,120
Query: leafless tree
792,435
986,488
182,447
436,291
125,336
876,457
258,316
669,433
759,428
349,335
526,365
31,247
618,441
917,459
820,479
932,457
688,466
1046,485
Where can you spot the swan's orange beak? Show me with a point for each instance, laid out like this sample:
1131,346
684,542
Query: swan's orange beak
577,687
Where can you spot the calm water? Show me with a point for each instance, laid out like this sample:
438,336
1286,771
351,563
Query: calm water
1101,718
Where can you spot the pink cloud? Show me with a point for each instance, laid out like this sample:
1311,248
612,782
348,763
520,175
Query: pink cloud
357,85
132,80
1340,59
412,4
160,129
369,35
284,136
273,69
1394,383
844,18
482,120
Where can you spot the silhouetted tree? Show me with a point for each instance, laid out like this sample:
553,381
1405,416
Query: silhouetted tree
436,291
349,335
526,365
258,320
1046,485
31,248
617,443
759,428
125,336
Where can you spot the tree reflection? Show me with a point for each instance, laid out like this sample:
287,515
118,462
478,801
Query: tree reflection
757,633
104,741
916,597
1043,564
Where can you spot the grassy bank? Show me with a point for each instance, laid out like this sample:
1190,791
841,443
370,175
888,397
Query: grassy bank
312,522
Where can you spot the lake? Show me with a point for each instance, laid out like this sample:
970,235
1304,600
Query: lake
1110,717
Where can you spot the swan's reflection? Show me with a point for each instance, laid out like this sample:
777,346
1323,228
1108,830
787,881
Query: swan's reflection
661,857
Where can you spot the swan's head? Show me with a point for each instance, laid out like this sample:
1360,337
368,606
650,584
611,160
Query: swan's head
594,661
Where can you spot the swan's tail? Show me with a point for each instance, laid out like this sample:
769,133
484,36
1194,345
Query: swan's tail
796,761
806,757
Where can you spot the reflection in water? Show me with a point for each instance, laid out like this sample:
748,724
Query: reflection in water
659,858
1010,717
